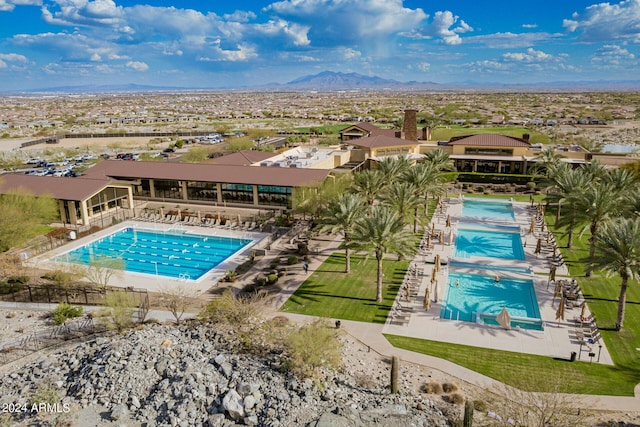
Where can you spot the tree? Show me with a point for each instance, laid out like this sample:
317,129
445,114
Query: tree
340,217
393,168
546,160
22,215
384,232
596,204
423,176
440,160
566,189
121,305
101,269
618,251
177,299
401,197
368,184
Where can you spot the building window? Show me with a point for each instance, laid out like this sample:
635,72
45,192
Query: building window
237,193
274,195
143,190
167,189
489,151
206,191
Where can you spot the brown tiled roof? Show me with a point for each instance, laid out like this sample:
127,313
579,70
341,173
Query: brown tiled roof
489,140
373,130
380,141
242,158
60,188
287,177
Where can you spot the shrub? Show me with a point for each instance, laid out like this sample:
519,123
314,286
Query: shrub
272,278
122,305
455,398
292,260
65,311
8,287
312,347
228,309
432,388
449,387
23,280
480,405
273,265
231,275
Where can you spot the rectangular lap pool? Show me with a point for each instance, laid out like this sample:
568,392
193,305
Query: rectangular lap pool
493,243
488,211
479,298
177,255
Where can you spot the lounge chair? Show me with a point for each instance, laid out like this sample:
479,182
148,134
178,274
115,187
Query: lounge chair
252,226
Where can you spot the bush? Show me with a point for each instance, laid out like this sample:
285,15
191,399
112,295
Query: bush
273,265
272,278
432,388
292,260
228,309
480,405
9,288
65,311
312,347
455,398
449,387
122,305
23,280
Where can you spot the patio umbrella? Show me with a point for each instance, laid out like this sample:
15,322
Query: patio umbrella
504,319
532,228
435,291
583,310
433,227
429,241
557,292
199,217
560,310
161,213
450,237
427,300
437,268
552,273
408,294
448,221
538,247
531,199
218,216
433,275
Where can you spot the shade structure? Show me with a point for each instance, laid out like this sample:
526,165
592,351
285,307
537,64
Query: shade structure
448,221
437,262
538,247
560,310
427,300
504,318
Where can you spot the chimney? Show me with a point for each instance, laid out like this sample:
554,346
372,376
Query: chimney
525,136
410,126
398,134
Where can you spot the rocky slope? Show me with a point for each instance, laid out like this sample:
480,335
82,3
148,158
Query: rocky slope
194,375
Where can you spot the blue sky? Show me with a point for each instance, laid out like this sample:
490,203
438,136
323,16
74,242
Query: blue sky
48,43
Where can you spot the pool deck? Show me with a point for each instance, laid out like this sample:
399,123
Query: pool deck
558,339
159,283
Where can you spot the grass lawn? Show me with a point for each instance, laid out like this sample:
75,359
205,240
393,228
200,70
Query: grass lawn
330,292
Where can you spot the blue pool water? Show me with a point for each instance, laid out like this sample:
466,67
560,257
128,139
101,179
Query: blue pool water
487,211
494,243
481,294
170,254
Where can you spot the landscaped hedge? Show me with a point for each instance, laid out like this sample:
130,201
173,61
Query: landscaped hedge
498,178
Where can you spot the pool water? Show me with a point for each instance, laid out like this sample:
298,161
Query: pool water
170,254
482,294
487,211
489,243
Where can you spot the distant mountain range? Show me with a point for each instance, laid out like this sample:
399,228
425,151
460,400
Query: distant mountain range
328,81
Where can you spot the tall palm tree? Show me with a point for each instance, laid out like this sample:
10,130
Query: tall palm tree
440,159
566,190
595,169
621,179
423,176
384,232
545,161
392,168
618,251
368,184
341,216
597,203
402,198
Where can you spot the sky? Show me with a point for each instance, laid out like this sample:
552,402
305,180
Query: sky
218,44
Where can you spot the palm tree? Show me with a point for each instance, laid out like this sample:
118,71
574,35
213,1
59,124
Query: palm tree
545,161
568,185
383,231
598,203
422,176
340,217
440,159
402,198
368,184
595,169
618,251
392,168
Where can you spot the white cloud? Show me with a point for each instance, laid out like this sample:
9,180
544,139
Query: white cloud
510,40
530,56
529,25
137,65
612,55
351,54
83,12
446,26
9,5
607,22
13,57
424,66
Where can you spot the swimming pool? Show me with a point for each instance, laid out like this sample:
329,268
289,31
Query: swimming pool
503,243
488,210
172,254
480,298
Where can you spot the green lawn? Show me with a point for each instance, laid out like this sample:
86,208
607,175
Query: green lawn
330,292
510,368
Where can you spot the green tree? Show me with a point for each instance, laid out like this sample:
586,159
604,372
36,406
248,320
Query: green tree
22,215
618,252
545,161
596,204
401,197
368,184
195,155
340,217
440,160
101,270
566,190
393,168
383,231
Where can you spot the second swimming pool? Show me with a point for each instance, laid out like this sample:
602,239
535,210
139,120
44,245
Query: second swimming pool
494,243
177,255
481,298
